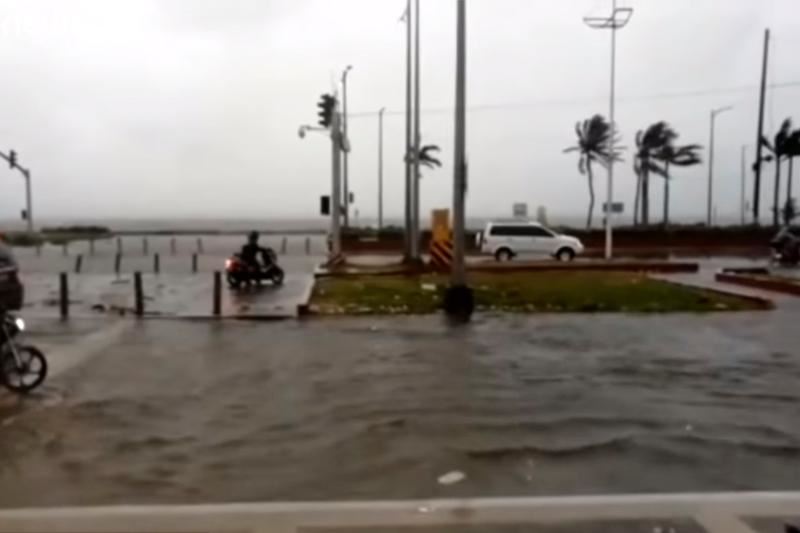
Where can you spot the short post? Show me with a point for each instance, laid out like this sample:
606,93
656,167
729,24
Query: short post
145,246
119,245
117,263
78,263
199,245
156,263
63,294
194,263
217,309
138,293
64,250
308,245
283,245
91,246
173,246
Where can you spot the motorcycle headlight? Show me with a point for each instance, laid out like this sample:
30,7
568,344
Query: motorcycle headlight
20,324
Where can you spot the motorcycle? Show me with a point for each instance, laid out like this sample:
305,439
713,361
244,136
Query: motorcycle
785,248
238,272
22,367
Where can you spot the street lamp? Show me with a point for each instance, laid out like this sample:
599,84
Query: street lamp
620,16
742,201
710,199
344,132
380,168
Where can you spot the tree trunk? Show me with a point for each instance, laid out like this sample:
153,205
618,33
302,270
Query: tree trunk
591,195
776,207
789,180
666,194
645,197
636,199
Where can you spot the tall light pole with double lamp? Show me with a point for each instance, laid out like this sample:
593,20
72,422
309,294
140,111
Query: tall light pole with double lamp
13,163
380,168
345,158
620,16
710,199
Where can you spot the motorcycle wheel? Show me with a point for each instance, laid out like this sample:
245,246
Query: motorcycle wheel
233,281
27,377
277,276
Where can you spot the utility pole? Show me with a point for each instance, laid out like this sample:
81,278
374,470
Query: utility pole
415,251
11,159
336,186
760,135
742,202
613,23
346,154
409,228
714,113
380,168
459,300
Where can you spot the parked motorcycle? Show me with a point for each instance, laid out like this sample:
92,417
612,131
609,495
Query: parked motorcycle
785,247
22,367
238,272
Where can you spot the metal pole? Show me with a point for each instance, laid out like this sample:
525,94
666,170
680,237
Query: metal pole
409,139
458,274
336,209
610,191
380,168
710,169
415,252
28,200
345,162
760,134
742,205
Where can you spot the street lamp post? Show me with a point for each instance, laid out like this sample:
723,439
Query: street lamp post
380,168
11,159
710,199
345,158
415,236
742,202
620,16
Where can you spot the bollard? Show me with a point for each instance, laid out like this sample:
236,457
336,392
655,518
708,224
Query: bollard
308,245
283,245
194,263
138,293
117,263
91,246
64,295
119,245
173,245
199,245
156,264
64,251
217,309
145,246
78,263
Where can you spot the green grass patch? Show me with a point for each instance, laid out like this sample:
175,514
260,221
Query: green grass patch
525,292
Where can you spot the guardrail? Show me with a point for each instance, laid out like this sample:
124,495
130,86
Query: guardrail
755,512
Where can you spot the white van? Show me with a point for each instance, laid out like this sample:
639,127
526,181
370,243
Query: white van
505,240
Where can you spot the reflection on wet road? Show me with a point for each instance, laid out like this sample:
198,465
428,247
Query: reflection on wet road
380,408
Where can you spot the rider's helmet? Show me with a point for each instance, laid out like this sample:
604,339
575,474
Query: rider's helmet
252,237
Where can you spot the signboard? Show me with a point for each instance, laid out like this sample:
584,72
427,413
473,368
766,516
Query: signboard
616,207
520,210
440,224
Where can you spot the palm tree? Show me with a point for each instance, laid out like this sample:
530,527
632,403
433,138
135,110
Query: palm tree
778,150
648,144
427,159
593,135
681,156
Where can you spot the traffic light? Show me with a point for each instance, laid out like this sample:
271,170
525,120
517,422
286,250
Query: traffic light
324,205
326,105
12,159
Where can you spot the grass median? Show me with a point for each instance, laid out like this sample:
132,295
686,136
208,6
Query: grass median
520,292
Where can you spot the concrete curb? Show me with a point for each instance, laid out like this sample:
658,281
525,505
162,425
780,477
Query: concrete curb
768,284
763,304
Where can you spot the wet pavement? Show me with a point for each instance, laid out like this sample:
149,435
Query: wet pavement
181,411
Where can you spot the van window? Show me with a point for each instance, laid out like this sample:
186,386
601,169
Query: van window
506,231
536,231
520,231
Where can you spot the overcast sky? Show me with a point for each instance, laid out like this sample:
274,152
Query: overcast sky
190,108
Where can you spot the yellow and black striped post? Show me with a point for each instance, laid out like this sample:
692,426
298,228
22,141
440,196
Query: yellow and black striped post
441,251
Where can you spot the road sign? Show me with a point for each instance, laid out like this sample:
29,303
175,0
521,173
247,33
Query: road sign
616,207
520,210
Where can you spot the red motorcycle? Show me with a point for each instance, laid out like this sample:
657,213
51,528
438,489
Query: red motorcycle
238,272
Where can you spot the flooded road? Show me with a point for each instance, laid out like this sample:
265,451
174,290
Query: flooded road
380,408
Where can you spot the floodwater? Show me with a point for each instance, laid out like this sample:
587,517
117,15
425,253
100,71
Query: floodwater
381,408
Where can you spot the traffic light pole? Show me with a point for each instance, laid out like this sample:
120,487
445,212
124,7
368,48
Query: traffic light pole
11,159
336,190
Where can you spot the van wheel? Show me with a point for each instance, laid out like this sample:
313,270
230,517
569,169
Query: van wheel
565,254
503,254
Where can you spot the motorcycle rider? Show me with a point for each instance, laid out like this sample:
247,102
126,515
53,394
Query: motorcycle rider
252,250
